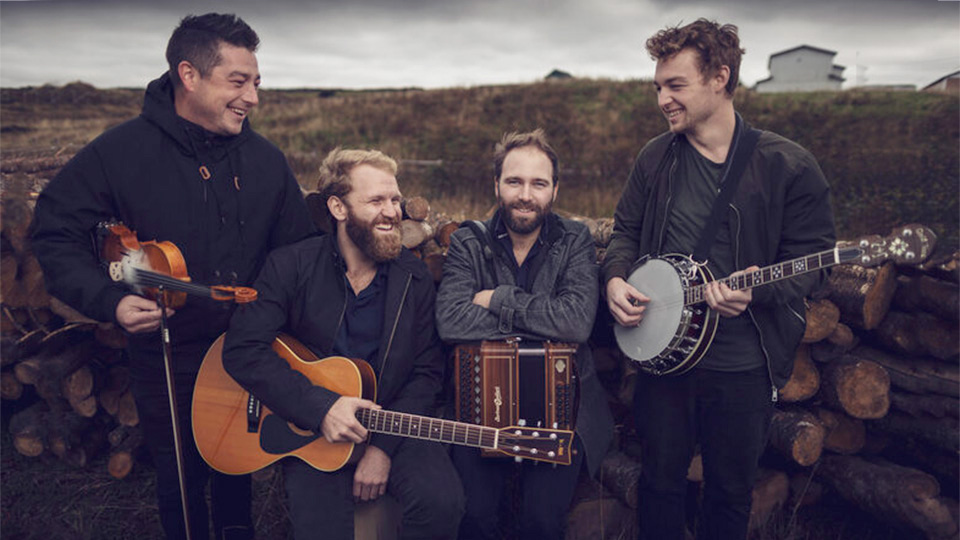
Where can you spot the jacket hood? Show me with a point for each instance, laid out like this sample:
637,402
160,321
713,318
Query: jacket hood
159,109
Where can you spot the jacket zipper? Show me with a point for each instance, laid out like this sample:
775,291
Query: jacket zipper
393,330
774,394
666,206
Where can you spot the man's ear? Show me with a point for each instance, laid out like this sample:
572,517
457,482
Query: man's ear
337,208
189,75
556,190
496,188
721,78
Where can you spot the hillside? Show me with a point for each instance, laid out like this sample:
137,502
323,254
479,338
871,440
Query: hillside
890,157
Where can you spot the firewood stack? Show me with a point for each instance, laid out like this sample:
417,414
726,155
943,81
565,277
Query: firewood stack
870,413
63,374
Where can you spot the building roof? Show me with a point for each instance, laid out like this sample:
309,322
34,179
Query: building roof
955,74
797,48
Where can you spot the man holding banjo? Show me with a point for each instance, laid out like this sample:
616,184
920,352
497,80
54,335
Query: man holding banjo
736,199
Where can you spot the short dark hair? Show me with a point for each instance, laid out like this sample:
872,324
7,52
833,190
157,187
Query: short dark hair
716,46
197,40
536,138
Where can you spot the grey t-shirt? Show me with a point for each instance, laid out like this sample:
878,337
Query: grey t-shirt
736,346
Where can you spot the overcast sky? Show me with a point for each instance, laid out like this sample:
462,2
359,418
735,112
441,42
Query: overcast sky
443,43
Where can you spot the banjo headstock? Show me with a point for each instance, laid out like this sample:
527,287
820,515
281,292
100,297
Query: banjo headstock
909,244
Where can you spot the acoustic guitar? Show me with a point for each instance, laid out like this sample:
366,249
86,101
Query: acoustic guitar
236,434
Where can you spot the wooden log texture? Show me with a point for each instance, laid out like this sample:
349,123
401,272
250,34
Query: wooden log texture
770,492
925,405
844,434
917,375
858,387
892,493
116,383
942,433
822,318
804,381
862,294
415,232
29,429
444,231
434,262
798,435
804,489
10,388
620,474
416,208
843,337
127,410
925,293
125,442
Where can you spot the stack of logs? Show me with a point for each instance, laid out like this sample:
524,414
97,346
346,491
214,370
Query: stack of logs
63,377
870,414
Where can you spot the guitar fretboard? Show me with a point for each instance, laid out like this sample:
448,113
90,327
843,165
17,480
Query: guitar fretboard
423,427
777,272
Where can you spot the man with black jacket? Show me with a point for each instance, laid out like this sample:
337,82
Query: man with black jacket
779,212
526,273
355,293
189,170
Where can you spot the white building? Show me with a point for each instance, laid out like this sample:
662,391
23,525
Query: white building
802,69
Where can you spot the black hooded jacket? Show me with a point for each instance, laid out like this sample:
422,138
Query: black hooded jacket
146,174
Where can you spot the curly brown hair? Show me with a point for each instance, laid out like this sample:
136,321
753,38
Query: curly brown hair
716,45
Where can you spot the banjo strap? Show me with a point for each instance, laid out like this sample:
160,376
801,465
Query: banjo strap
731,179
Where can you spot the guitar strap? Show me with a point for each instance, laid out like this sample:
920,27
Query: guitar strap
729,182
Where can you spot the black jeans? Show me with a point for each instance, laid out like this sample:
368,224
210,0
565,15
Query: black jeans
729,415
229,495
422,479
546,491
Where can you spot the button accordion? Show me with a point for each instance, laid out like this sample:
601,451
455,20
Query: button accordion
506,383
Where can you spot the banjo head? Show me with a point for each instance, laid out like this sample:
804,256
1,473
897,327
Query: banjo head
659,280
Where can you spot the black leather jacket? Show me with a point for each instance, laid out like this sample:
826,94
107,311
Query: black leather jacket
780,211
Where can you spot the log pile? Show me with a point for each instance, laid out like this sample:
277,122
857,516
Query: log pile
872,407
62,375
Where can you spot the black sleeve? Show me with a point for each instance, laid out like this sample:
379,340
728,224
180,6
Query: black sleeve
249,358
67,212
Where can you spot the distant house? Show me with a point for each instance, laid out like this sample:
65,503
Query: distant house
949,84
802,69
557,75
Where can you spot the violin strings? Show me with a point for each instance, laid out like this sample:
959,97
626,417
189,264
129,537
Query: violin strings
146,277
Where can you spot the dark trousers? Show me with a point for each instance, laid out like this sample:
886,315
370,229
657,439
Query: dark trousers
729,415
422,479
546,492
229,495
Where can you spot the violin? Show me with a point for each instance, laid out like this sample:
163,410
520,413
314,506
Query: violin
152,266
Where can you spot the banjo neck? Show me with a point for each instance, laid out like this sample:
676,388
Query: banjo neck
910,244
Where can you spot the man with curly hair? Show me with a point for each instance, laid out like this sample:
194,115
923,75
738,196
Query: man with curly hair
779,211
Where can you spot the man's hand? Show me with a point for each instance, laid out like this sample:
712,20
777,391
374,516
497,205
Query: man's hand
726,301
370,479
340,423
136,314
483,297
625,302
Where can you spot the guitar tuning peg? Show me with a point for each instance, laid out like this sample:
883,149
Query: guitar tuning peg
518,459
521,422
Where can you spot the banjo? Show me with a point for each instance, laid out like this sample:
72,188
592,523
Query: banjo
677,330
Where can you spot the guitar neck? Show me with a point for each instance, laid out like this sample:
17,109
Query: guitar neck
778,272
431,429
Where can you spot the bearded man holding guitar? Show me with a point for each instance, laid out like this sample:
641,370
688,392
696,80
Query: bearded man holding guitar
779,211
359,294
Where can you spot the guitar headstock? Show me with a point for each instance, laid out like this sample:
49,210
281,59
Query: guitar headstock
910,244
540,444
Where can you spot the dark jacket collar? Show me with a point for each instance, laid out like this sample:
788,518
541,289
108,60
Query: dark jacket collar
159,109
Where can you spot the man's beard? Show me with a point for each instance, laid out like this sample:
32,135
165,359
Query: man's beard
524,226
379,246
